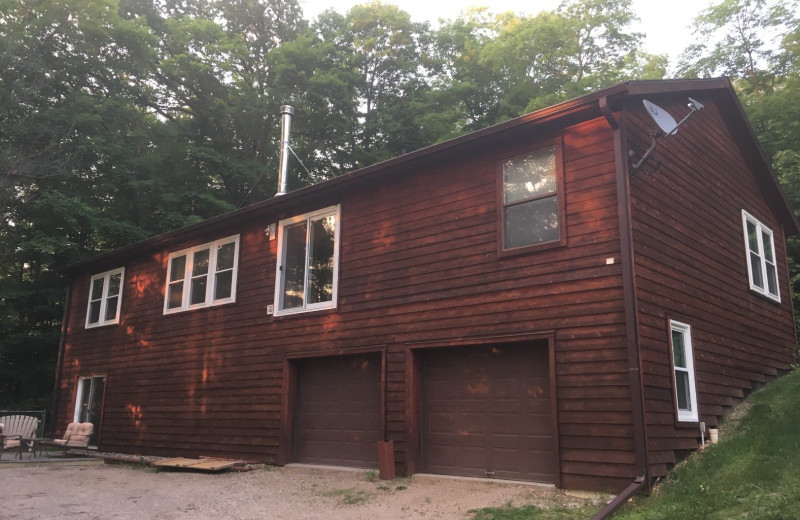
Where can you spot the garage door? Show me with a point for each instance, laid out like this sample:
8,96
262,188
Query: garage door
487,412
338,411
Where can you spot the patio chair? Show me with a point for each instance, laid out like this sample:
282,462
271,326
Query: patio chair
76,436
15,429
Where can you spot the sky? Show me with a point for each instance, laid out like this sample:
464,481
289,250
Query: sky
664,22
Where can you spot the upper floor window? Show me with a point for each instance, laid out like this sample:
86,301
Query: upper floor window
532,205
202,276
683,365
105,298
761,264
308,262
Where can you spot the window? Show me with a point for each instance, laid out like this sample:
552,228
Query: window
105,298
760,257
307,267
683,363
202,276
532,210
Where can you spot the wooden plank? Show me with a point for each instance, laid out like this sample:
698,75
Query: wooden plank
196,464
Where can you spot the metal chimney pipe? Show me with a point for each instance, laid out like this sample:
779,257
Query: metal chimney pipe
286,122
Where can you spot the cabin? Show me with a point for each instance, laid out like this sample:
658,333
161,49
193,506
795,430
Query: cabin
525,302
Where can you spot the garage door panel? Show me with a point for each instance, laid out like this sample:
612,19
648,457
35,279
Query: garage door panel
468,422
540,424
467,440
506,388
540,459
538,406
441,422
338,411
487,411
505,442
471,460
507,424
543,444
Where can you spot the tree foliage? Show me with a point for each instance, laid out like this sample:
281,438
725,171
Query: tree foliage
737,38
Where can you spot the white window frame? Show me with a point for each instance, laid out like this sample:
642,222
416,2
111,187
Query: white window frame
106,277
761,230
279,279
212,271
691,415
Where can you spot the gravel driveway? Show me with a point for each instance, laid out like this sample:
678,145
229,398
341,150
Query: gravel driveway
101,491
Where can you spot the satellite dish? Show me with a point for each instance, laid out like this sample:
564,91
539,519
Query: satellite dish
667,125
665,122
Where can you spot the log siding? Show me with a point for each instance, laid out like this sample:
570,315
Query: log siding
419,267
416,265
691,266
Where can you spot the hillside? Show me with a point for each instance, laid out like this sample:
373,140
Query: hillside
753,472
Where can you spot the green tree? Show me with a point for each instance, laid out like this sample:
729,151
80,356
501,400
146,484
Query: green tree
602,48
736,39
384,55
465,84
502,66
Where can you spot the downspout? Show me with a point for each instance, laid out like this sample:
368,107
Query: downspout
61,346
631,323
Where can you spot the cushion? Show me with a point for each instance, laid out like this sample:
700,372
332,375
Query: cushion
77,434
72,429
85,428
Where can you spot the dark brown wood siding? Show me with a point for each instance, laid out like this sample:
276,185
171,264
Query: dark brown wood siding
691,267
419,263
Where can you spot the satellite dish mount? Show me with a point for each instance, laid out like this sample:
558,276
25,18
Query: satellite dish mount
667,127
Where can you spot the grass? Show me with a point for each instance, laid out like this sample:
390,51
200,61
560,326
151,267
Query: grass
533,513
354,496
752,474
349,496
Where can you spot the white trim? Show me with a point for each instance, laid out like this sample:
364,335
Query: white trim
761,230
78,398
692,414
334,211
106,277
211,274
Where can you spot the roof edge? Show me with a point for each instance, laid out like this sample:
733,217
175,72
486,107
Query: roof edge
561,110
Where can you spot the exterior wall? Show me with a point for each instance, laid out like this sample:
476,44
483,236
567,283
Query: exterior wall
419,264
691,266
